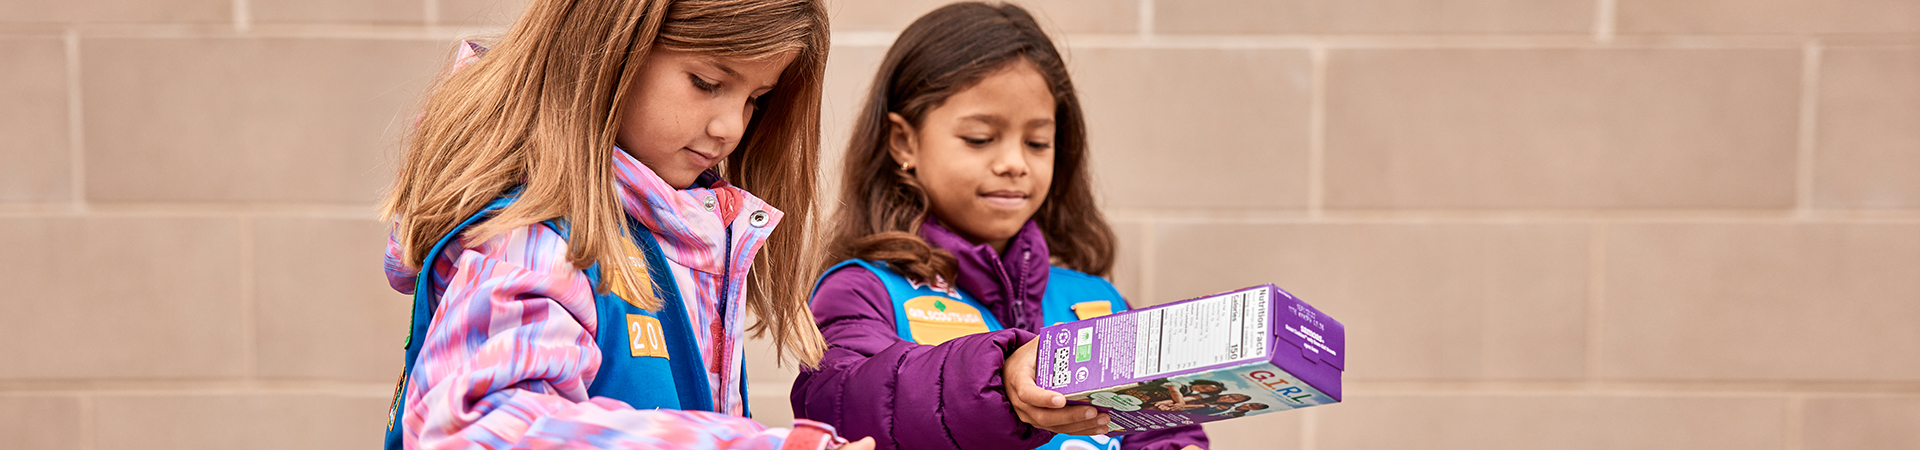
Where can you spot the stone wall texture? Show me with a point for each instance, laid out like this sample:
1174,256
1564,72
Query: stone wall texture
1569,224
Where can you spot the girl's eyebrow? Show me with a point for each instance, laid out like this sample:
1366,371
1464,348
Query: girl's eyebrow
716,64
728,70
996,120
985,118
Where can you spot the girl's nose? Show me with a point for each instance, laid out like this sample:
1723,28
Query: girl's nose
729,125
1010,160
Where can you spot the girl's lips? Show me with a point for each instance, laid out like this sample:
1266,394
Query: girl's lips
1005,199
701,158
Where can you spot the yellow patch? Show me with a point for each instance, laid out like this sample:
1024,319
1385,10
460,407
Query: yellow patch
638,260
645,338
1089,310
934,319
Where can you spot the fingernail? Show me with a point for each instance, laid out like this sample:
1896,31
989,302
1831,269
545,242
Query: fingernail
1091,412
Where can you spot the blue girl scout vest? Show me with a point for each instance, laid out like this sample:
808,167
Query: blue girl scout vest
924,315
637,364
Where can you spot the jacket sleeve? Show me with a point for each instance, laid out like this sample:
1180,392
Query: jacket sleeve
1175,438
903,394
508,357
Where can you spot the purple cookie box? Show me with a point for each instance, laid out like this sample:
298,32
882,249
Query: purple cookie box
1272,349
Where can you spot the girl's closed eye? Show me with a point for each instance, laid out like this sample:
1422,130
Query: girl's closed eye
977,141
704,85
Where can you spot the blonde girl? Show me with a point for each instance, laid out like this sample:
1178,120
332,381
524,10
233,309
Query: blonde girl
585,212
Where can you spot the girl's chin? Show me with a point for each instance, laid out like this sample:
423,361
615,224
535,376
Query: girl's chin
682,176
680,180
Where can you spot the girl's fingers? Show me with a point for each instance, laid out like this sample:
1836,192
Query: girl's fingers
865,443
1063,418
1035,396
1088,429
1093,431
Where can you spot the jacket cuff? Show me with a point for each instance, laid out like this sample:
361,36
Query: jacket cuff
975,397
1017,337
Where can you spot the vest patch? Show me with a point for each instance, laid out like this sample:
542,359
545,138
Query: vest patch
935,320
644,337
637,261
1089,310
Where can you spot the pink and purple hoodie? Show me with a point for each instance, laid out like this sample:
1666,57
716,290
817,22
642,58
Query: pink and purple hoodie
510,353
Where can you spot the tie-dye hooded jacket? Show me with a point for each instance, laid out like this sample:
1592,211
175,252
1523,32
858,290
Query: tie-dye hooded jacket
509,356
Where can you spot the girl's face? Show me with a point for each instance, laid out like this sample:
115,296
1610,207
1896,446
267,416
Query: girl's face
687,111
985,156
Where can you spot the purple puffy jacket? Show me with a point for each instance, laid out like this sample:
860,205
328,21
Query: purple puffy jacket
937,397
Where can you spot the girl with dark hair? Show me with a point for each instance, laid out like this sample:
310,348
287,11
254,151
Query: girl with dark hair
966,222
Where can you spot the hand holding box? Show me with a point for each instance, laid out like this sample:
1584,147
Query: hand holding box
1238,353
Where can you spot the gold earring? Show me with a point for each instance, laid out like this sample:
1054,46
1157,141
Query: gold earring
906,166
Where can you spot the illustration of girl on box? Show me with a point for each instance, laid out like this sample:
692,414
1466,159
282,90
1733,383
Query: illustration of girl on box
1240,409
1162,389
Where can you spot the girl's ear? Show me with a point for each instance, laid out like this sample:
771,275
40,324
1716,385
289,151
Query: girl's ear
902,142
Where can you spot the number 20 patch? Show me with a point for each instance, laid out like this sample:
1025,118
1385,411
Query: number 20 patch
644,338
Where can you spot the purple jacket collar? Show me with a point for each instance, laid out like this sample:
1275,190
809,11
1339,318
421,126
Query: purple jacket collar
1011,285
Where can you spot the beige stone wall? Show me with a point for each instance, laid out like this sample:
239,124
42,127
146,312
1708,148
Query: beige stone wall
1570,224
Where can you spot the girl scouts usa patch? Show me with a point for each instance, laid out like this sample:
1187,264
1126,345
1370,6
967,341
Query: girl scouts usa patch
934,319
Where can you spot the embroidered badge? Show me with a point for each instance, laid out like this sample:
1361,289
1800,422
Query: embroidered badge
934,320
939,284
644,338
637,260
1089,310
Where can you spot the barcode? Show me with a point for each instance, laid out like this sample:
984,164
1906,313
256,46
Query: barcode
1061,376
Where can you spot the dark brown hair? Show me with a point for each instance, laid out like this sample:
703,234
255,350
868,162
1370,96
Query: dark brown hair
944,52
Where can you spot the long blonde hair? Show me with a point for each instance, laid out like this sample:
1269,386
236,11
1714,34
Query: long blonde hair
541,111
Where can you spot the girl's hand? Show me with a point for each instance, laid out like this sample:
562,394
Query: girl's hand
1042,408
1192,447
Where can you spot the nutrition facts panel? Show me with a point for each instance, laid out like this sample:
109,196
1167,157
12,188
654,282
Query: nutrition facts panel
1205,332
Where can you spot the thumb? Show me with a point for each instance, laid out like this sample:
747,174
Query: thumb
1034,395
1018,376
